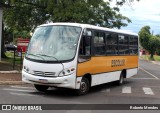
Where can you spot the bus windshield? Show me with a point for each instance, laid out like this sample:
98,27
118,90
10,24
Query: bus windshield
54,43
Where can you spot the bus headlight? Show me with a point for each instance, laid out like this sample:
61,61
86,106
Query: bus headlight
26,69
67,71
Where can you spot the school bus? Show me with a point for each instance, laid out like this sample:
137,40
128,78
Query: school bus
78,56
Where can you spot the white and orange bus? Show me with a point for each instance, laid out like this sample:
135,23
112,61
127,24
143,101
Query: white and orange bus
78,56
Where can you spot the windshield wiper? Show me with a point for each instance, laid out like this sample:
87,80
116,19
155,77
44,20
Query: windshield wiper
48,56
37,55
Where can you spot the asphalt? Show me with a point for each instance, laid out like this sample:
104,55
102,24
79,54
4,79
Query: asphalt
10,76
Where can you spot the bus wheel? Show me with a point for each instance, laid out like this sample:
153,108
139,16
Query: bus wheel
84,87
121,79
41,88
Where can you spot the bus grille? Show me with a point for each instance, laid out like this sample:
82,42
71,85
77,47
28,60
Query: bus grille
46,74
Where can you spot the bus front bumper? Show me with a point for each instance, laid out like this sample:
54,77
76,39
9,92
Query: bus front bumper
65,81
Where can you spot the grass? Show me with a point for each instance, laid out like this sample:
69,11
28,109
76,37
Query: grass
157,58
147,57
10,58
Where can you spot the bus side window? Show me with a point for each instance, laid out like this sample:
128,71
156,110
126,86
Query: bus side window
112,44
85,46
133,45
99,43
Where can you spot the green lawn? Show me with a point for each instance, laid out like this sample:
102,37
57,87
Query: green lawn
10,58
147,57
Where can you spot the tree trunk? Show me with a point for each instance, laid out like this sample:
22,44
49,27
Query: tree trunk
2,44
151,57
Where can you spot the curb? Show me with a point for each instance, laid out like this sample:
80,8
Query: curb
14,71
154,62
12,83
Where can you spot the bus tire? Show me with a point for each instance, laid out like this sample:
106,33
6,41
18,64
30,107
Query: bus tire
121,79
84,86
41,88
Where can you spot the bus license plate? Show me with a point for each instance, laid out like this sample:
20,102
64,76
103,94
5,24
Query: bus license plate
43,81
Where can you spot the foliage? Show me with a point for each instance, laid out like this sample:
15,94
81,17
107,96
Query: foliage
158,35
86,11
21,17
145,36
25,15
158,51
148,41
22,34
154,43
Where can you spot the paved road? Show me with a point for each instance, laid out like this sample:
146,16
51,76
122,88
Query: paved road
143,88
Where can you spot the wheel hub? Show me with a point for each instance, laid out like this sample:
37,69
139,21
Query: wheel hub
83,86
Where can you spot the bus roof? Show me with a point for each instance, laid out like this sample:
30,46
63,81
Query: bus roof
92,27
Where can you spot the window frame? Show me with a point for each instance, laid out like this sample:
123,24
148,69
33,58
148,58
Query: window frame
136,46
106,33
124,45
112,33
93,44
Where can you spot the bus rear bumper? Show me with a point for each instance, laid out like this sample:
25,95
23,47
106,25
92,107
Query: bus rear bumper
65,81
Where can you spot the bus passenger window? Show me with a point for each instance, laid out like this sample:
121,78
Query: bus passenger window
133,45
123,44
85,46
99,43
112,44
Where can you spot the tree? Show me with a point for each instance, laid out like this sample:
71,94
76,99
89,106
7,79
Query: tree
145,36
158,49
154,44
158,35
86,11
25,15
22,16
148,41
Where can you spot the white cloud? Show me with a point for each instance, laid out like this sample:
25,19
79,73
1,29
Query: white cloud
144,12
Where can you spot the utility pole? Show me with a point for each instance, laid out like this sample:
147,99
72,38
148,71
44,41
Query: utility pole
1,16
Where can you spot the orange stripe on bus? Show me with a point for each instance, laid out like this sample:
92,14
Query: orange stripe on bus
107,64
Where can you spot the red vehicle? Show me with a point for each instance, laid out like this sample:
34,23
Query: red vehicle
22,44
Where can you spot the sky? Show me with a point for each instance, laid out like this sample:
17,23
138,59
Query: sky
142,13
